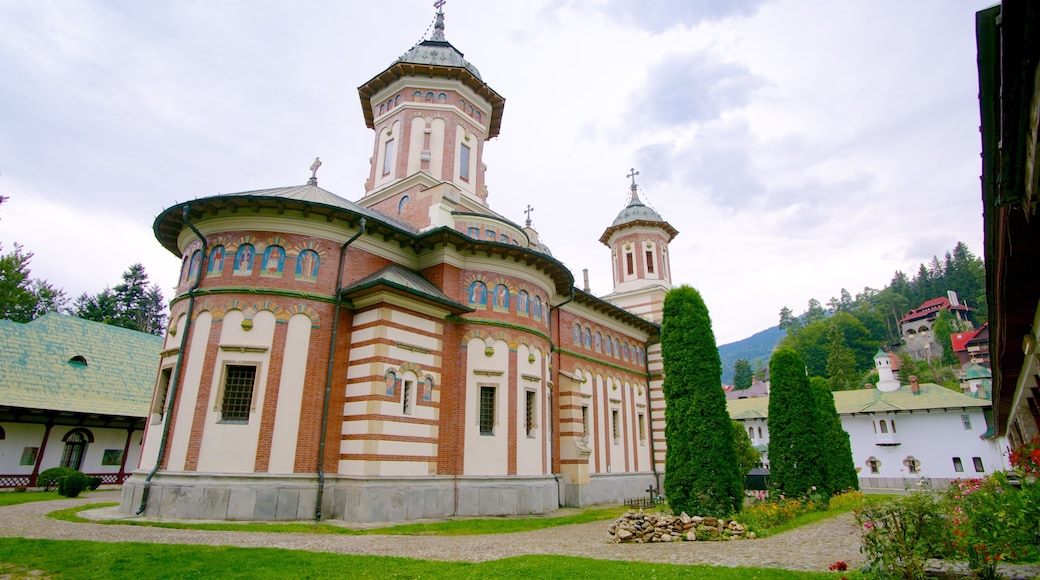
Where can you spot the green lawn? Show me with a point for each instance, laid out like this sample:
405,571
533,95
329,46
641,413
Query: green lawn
15,497
133,561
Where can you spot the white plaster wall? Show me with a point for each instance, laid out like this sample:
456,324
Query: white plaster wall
642,446
290,395
474,154
231,448
395,135
529,448
933,438
20,436
153,431
189,392
486,454
411,321
616,448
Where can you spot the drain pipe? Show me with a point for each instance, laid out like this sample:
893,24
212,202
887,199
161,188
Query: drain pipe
328,374
552,347
175,380
650,420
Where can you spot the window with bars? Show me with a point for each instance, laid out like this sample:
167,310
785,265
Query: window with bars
615,422
406,401
584,420
530,415
642,430
487,410
238,393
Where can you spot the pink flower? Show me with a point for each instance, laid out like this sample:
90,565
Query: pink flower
867,525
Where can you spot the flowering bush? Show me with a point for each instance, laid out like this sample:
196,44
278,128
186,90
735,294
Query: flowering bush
766,514
1026,457
992,519
900,535
848,500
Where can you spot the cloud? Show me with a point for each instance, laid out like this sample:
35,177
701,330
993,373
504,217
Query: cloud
685,88
660,15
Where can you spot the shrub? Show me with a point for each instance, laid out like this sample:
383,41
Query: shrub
50,479
993,519
93,482
848,500
796,438
900,535
766,514
72,484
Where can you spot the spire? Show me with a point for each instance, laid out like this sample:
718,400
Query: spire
438,25
634,200
528,212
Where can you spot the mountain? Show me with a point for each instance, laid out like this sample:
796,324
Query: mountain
757,346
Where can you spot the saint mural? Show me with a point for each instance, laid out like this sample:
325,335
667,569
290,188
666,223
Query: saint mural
216,260
274,258
478,293
244,259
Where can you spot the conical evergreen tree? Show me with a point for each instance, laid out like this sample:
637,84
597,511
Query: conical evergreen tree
702,473
795,453
839,469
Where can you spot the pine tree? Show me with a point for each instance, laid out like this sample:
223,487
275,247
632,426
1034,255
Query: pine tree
701,465
23,298
839,469
742,375
133,304
795,456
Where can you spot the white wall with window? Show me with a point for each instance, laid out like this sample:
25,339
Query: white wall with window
531,405
487,407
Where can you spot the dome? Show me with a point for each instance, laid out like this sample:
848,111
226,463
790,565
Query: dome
636,211
438,51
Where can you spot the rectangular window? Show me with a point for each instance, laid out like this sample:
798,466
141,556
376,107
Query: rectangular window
966,421
958,466
630,263
978,464
238,393
875,466
406,401
650,261
29,456
464,162
642,429
529,415
585,420
615,422
161,392
487,410
388,157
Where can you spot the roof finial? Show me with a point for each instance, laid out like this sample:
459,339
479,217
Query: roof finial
528,212
635,188
314,171
438,25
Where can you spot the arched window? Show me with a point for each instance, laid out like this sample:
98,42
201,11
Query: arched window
382,108
400,205
417,96
216,260
429,97
759,432
75,448
893,425
442,98
912,464
397,100
884,426
478,294
751,432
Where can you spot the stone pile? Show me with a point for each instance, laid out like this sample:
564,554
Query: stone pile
642,528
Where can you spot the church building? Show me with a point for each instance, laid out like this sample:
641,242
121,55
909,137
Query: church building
409,354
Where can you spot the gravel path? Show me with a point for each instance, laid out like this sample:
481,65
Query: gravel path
809,548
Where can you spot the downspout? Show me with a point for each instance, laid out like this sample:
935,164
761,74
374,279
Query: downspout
650,426
175,380
552,347
328,374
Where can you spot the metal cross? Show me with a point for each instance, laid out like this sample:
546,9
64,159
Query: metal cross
438,4
633,175
527,211
314,168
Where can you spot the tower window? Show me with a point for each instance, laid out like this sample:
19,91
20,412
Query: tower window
161,392
388,157
650,261
584,420
529,418
406,400
630,263
464,162
238,393
642,430
615,421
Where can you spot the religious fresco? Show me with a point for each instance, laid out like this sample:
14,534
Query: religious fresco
391,383
478,293
502,296
244,260
216,261
587,335
598,342
307,265
536,308
522,306
193,265
427,394
273,261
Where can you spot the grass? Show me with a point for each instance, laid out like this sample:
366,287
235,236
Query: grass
15,498
459,527
133,561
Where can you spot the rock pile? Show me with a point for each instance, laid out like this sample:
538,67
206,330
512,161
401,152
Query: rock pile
641,528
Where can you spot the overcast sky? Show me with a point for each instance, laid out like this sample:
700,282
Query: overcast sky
798,147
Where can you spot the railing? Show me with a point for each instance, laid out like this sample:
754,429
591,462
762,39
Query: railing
13,480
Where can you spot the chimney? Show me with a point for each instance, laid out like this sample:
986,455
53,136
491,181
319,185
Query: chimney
915,388
585,271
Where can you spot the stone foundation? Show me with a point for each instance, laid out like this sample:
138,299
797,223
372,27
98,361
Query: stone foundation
608,488
272,498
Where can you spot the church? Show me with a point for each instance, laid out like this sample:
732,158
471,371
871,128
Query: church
409,354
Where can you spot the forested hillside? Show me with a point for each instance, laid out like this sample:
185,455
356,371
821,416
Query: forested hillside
838,339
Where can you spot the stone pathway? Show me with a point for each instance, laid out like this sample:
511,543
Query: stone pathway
809,548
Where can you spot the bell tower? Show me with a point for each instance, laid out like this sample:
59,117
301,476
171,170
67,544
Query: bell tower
432,113
638,241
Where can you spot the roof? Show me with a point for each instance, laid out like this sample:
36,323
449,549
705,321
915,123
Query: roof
757,389
407,281
976,371
438,51
38,368
638,214
960,340
932,307
931,397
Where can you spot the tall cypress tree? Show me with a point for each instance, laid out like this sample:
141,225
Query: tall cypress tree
839,469
701,470
795,455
